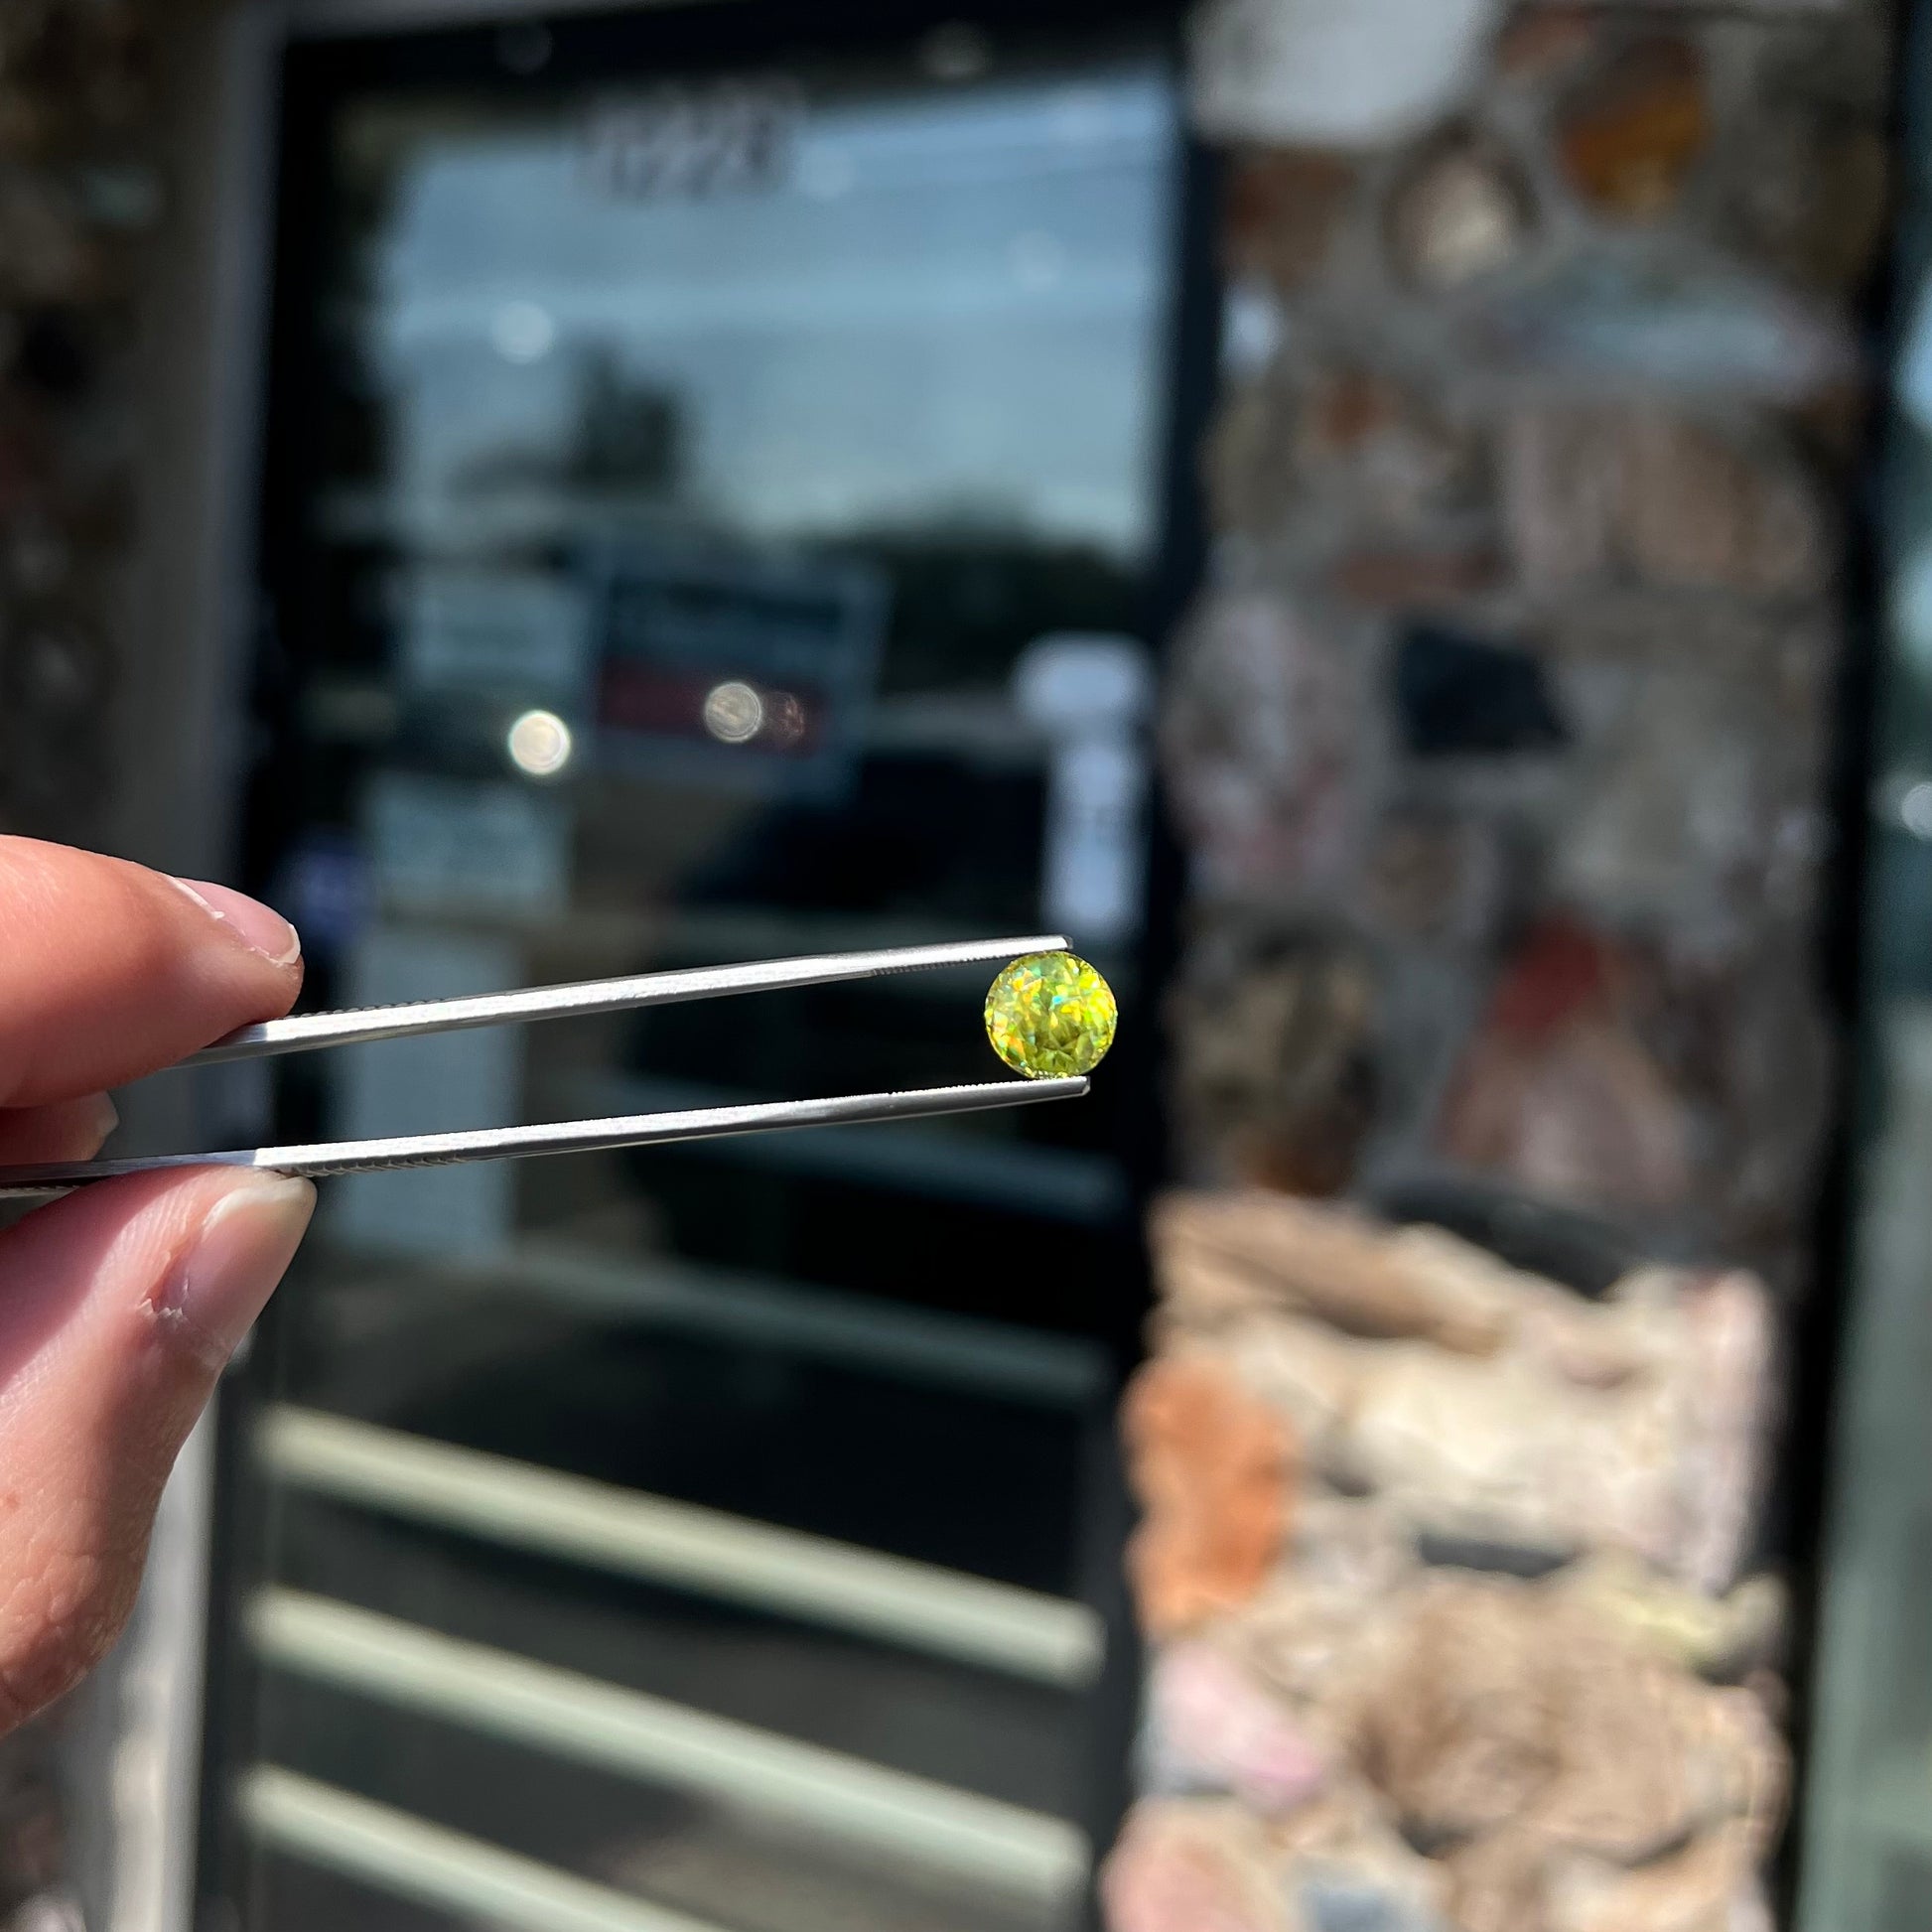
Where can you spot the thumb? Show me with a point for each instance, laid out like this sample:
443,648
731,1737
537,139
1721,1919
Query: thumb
120,1306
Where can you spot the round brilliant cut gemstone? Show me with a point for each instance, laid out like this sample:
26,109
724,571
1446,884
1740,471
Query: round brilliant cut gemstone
1051,1015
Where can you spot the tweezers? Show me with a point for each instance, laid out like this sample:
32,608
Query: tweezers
308,1033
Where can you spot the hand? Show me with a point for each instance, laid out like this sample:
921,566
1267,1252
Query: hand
120,1303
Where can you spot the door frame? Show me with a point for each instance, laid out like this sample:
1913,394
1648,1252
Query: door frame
279,57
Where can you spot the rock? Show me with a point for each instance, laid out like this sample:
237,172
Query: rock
1716,1637
1810,194
1430,878
1629,135
1499,1882
1262,746
1542,41
1462,210
1374,447
1343,1870
1556,1093
1710,1885
1280,72
1211,1465
1503,1723
1189,1867
1341,459
1275,1067
1703,511
1508,1456
1212,1728
1721,1467
1228,1254
1455,1732
1697,326
1698,813
1340,1899
1462,695
1591,492
1399,579
1304,1636
1247,457
1282,209
1527,1421
1561,494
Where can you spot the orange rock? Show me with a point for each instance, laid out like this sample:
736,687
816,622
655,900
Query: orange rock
1630,135
1212,1464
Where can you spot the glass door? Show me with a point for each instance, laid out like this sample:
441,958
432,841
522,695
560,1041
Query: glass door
715,509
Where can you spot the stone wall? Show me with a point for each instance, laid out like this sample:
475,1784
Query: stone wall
79,199
1500,741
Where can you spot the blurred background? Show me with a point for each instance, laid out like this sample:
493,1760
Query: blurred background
1403,527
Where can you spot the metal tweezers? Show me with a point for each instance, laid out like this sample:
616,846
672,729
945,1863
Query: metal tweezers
306,1033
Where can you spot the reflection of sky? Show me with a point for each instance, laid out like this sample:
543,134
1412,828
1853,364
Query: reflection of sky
955,296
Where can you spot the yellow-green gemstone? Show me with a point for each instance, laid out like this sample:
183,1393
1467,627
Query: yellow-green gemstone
1051,1015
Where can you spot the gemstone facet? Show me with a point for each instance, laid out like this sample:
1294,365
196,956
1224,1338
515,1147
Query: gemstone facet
1051,1015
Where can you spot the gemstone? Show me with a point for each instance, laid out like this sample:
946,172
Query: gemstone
1051,1015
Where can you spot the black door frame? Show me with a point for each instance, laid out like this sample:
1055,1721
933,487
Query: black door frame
313,71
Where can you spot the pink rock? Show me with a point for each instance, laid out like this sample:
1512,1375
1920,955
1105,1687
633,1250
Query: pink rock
1187,1868
1213,1726
1262,749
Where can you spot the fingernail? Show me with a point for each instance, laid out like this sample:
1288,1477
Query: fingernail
247,1241
256,926
106,1117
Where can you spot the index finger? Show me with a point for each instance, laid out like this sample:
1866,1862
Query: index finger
110,971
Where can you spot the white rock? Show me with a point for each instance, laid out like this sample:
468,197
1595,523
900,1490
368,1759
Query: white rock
1333,72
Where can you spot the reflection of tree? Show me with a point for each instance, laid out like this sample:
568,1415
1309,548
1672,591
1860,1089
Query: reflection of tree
625,437
969,595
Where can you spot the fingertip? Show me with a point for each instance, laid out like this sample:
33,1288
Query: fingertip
63,1130
118,1304
259,927
110,971
235,1262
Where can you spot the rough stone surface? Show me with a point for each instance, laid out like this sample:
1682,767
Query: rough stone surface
1558,1092
1260,740
1481,1403
1210,1465
1284,208
1499,743
1644,493
1462,211
1275,1059
1212,1726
